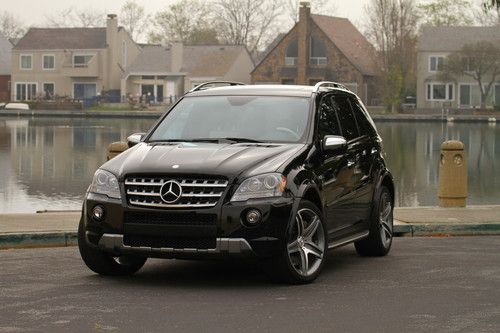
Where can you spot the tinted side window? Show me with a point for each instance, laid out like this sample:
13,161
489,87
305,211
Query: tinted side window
364,125
346,117
328,122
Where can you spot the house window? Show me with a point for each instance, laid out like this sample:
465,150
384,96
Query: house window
49,61
25,91
81,60
287,81
440,91
291,53
436,63
317,52
84,90
465,95
48,90
25,61
497,94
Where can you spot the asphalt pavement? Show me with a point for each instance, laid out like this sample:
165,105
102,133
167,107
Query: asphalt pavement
424,285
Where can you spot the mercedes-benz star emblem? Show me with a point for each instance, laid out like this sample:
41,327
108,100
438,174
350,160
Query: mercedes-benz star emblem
170,191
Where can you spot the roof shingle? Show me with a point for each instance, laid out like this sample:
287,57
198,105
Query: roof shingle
62,38
448,39
350,42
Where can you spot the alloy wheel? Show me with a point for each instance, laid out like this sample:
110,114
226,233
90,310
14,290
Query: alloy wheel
306,242
385,219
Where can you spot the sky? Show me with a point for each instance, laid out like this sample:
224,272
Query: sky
33,12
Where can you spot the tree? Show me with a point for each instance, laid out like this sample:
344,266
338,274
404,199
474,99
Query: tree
392,27
490,4
10,26
446,12
247,22
480,61
179,21
134,18
317,6
71,17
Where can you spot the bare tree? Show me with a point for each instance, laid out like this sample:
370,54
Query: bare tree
134,18
392,27
324,7
71,17
446,12
180,20
247,22
480,61
487,17
490,4
10,26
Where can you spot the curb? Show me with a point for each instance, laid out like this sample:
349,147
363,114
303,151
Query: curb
70,238
41,239
446,229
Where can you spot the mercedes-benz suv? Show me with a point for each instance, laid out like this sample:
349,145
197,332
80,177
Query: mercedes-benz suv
281,173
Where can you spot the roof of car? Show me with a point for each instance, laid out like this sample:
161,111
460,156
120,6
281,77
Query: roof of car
258,90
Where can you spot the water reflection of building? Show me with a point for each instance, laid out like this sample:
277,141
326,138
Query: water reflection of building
59,156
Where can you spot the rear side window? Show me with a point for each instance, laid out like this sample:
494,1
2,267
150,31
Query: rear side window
328,122
346,117
364,125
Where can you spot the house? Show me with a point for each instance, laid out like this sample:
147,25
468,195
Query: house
76,62
322,48
5,63
167,72
434,45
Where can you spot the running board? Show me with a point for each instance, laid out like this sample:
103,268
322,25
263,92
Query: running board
351,239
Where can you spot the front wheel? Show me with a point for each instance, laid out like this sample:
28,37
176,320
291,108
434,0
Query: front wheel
379,240
305,247
104,263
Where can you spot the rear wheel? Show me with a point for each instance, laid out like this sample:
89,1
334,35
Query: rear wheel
379,240
104,263
305,247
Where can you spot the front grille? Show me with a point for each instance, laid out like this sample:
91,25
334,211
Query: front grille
174,243
170,218
197,192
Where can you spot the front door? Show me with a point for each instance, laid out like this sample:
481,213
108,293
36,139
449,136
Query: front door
84,90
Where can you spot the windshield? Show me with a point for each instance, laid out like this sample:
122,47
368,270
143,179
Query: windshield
235,118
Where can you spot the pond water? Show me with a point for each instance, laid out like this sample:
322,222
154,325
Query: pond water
47,163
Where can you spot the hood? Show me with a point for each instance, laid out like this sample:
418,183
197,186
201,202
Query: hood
229,160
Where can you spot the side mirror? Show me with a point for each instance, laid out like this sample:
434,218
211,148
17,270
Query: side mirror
134,139
334,143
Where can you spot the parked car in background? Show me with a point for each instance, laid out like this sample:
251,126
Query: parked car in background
281,173
14,106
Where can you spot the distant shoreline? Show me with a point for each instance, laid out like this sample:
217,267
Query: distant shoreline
493,118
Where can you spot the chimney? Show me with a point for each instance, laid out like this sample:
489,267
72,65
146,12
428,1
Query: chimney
111,45
177,56
303,42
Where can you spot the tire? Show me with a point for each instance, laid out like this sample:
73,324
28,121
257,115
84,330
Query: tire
379,241
304,247
104,263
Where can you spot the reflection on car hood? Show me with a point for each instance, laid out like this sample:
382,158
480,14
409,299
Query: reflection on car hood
228,160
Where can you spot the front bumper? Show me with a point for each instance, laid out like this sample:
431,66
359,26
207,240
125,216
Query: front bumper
225,232
113,243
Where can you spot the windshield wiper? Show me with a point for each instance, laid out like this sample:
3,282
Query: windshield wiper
215,140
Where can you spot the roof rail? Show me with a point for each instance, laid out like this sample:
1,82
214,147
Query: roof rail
328,84
204,85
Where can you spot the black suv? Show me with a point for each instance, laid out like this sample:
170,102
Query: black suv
282,173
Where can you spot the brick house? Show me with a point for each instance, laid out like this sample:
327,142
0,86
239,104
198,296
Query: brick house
5,51
322,48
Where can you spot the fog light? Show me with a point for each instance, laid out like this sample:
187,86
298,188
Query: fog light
98,213
253,216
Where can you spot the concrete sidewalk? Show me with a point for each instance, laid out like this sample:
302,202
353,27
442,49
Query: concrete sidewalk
59,228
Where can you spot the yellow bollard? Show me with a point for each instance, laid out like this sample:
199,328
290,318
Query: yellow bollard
116,148
452,191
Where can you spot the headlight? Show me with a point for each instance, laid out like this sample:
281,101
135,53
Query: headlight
263,186
105,182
